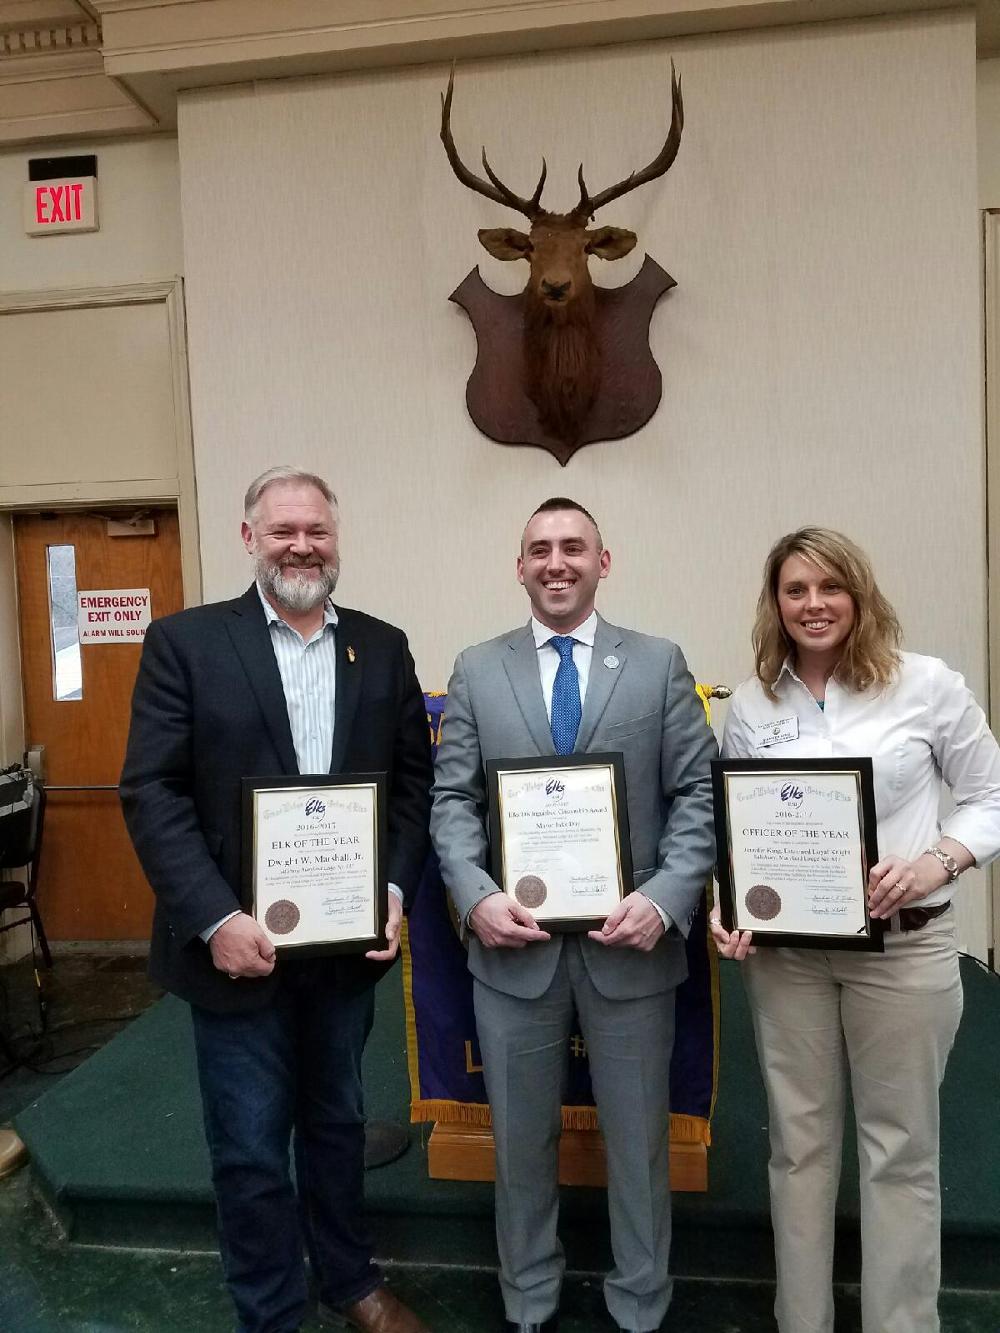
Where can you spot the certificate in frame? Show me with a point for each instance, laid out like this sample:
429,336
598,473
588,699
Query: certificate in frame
559,836
795,839
314,861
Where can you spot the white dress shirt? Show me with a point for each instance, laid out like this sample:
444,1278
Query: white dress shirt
548,657
548,665
924,732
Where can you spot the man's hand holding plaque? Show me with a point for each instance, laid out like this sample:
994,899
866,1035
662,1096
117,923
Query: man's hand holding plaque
633,924
501,923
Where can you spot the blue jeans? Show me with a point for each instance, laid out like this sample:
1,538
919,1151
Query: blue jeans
294,1064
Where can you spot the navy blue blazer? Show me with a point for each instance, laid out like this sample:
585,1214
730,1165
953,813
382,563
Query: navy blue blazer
209,709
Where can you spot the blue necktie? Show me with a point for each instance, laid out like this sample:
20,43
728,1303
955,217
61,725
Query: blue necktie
566,709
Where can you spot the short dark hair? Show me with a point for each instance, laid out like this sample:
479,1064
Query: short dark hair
563,502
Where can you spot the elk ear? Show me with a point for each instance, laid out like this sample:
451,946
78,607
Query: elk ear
610,242
505,243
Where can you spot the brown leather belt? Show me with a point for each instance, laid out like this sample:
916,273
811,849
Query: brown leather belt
915,918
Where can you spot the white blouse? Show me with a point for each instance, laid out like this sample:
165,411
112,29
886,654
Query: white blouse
924,730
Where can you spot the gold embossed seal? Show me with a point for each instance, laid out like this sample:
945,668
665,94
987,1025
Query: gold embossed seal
763,902
282,917
530,891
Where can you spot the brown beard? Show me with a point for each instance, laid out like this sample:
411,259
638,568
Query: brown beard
562,363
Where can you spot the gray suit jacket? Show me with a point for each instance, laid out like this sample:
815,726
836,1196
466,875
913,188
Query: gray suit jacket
647,708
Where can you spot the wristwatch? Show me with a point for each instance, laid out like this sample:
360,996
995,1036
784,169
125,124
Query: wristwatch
949,862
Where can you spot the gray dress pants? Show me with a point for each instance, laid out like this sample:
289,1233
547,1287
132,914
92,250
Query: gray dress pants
525,1051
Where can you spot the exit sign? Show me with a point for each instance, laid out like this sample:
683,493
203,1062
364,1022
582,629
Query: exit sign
68,204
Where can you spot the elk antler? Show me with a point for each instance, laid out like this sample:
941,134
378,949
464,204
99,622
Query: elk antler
660,164
498,192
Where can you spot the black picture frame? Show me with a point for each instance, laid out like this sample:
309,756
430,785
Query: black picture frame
871,941
614,760
318,783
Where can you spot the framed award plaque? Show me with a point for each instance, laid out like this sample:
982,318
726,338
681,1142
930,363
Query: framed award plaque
314,861
795,841
559,836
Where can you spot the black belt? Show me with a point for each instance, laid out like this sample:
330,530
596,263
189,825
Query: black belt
915,918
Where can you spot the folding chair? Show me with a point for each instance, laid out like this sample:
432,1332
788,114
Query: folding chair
21,845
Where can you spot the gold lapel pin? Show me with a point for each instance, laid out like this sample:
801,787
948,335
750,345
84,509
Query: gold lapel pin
351,654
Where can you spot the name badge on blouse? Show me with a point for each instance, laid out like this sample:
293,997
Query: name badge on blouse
774,733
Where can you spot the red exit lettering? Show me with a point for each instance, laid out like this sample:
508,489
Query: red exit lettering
58,203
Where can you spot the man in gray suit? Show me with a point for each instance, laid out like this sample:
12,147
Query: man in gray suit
568,681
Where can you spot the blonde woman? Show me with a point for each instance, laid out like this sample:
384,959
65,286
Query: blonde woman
829,668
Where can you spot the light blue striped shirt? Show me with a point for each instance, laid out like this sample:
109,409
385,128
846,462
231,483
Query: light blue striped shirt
309,679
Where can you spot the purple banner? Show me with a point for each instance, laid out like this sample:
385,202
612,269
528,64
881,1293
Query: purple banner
446,1081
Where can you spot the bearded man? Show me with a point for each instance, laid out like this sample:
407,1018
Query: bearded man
279,681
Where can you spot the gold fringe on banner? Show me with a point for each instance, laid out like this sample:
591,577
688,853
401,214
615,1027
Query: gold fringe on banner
412,1059
683,1128
580,1117
690,1129
450,1113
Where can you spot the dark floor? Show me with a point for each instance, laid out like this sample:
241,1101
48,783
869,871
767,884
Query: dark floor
48,1286
87,1000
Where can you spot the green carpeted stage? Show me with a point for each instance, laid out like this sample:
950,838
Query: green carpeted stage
117,1150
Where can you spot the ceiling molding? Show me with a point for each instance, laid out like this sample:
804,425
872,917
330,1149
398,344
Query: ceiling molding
43,13
20,43
53,82
137,55
52,65
160,47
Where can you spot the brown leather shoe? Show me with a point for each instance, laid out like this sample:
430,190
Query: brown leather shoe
381,1312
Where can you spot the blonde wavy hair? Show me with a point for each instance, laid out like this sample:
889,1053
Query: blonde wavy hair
870,658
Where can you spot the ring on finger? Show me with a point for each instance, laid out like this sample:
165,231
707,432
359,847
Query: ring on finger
899,889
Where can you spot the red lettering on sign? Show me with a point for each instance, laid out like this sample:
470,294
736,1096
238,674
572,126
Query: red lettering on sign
56,195
40,199
77,190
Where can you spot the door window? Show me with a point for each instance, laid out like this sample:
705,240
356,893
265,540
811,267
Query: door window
67,677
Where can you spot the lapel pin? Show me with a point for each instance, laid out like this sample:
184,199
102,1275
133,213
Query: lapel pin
351,654
611,661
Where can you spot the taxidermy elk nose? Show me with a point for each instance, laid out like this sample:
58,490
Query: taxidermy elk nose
554,291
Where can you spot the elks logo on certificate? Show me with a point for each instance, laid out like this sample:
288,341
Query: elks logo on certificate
795,841
314,869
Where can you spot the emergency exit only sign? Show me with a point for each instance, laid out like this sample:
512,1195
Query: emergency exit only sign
113,615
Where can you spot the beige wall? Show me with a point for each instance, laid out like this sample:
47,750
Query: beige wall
988,128
822,205
139,241
91,399
140,235
820,354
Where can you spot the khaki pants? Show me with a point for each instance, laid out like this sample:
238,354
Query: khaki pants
890,1019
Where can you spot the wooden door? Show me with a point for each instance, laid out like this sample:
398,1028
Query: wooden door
77,702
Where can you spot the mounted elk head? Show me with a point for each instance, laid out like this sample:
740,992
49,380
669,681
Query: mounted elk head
562,354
